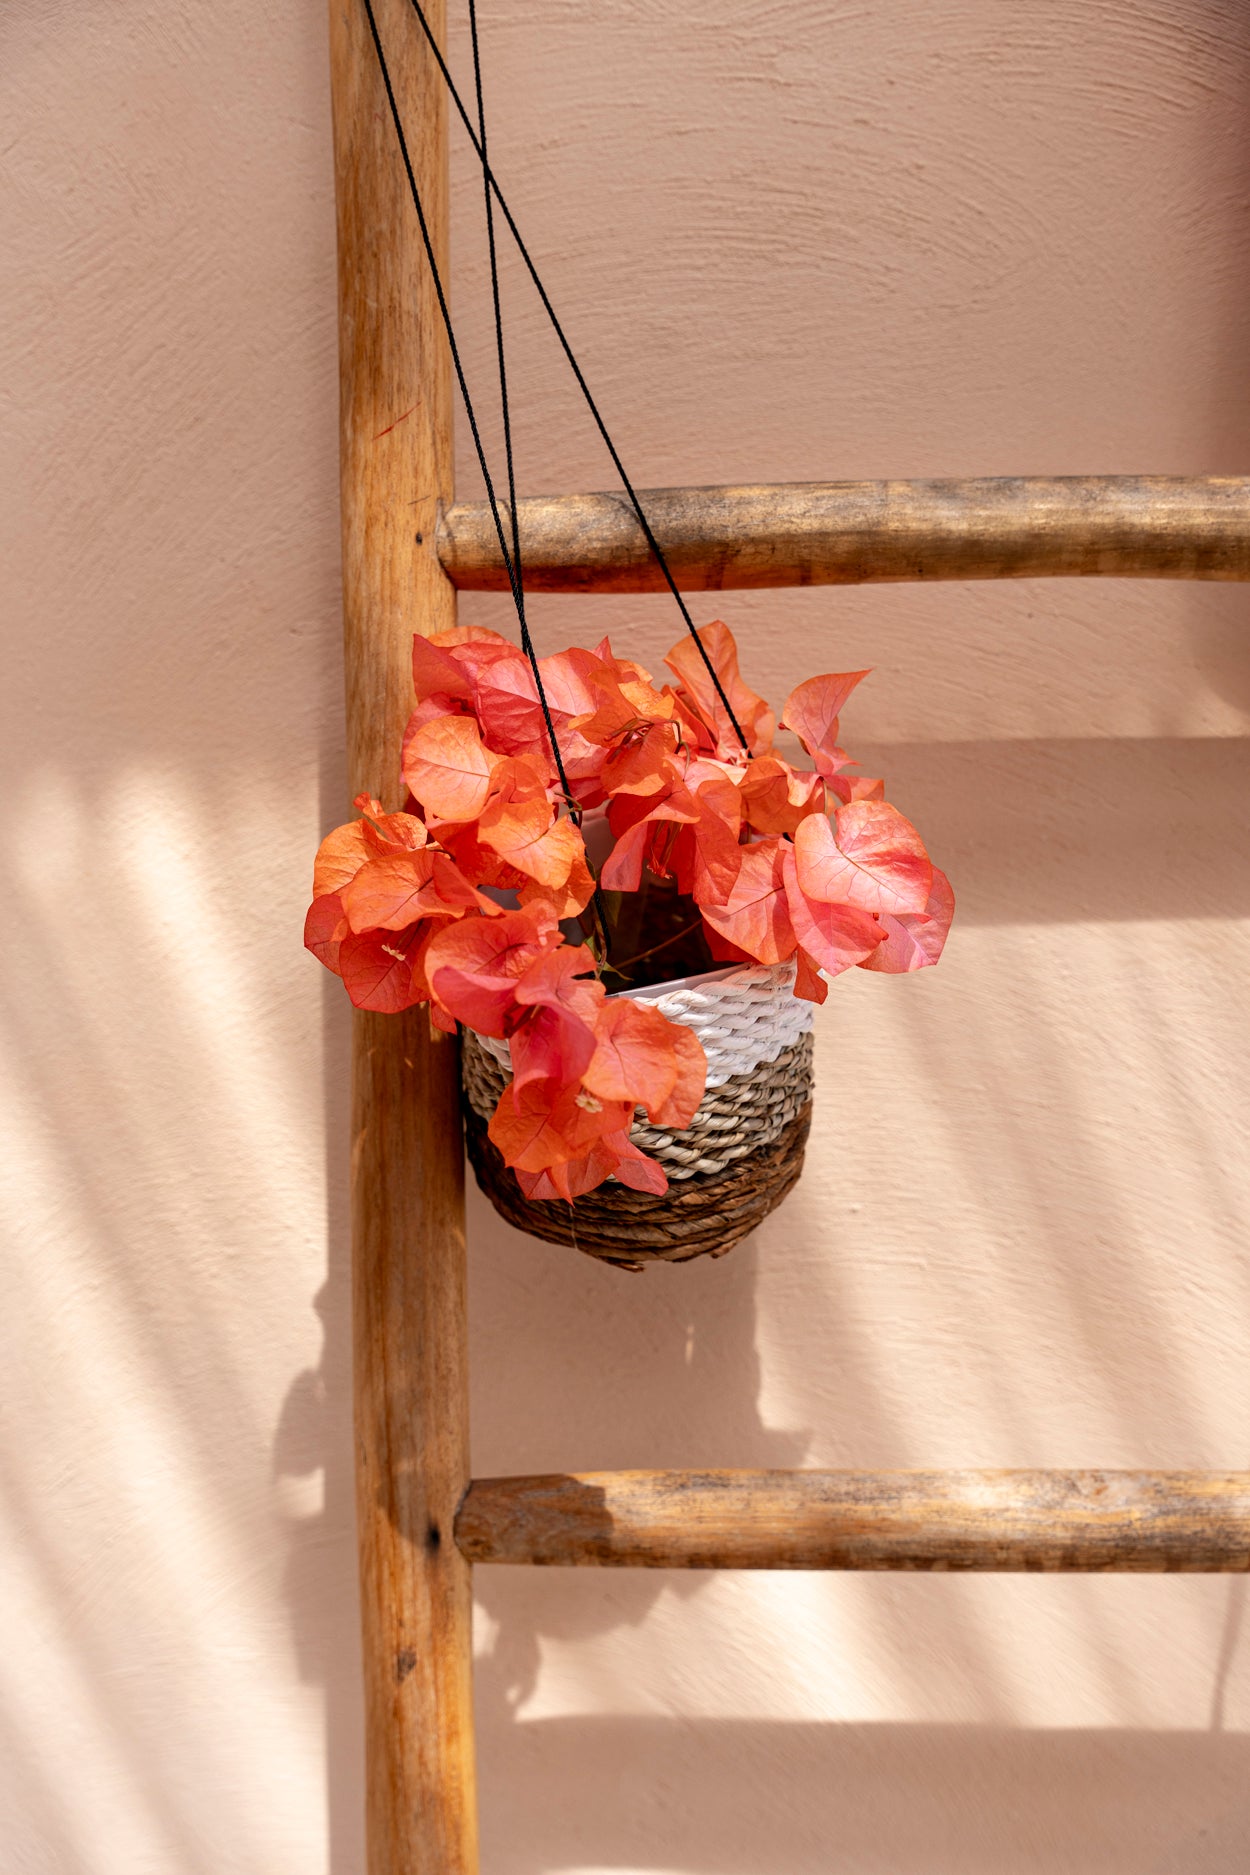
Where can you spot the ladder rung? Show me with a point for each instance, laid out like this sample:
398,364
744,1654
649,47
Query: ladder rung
848,533
1000,1520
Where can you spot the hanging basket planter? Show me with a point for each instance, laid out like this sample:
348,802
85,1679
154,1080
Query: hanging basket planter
573,835
734,1163
628,901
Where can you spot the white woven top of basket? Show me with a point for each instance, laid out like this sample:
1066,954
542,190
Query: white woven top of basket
743,1016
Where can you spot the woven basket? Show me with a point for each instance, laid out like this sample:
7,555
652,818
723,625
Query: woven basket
733,1165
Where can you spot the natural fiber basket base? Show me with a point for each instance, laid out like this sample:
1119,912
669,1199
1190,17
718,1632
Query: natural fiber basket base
699,1216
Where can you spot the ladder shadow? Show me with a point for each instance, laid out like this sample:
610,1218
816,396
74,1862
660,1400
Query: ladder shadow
735,1797
1043,831
575,1366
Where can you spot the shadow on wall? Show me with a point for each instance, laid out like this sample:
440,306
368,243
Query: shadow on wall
314,1436
315,1429
1082,830
576,1367
733,1797
605,1370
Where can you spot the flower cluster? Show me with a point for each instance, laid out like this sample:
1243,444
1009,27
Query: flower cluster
459,904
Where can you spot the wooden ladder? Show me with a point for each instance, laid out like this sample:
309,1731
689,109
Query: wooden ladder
423,1522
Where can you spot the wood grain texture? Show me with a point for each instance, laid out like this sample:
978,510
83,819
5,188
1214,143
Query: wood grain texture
411,1393
989,1520
850,533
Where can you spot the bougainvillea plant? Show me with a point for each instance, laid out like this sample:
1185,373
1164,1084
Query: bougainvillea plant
479,898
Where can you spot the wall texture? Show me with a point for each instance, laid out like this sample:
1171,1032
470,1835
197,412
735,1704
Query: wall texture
820,239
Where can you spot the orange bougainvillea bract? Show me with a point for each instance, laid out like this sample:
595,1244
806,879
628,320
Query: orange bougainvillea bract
466,900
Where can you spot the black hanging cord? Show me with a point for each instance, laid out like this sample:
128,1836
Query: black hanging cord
492,187
600,912
494,288
513,571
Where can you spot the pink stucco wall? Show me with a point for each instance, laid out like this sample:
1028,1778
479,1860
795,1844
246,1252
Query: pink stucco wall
820,240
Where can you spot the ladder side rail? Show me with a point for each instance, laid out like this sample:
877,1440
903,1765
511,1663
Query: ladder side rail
408,1244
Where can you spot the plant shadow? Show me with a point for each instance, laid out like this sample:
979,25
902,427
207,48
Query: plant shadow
576,1366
